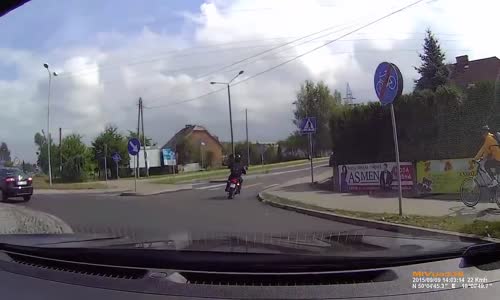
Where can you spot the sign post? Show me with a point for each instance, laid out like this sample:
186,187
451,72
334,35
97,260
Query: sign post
308,126
388,83
134,146
116,158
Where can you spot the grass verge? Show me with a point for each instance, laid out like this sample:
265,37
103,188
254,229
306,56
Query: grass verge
215,174
448,223
42,182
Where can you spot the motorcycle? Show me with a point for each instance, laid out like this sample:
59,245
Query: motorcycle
234,188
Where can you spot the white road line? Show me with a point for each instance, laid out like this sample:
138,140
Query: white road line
271,185
210,186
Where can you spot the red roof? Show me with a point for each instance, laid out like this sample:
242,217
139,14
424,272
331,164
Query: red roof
465,72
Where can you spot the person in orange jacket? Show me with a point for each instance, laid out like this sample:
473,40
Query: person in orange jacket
491,152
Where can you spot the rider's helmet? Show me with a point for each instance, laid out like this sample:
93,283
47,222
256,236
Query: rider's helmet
485,130
237,158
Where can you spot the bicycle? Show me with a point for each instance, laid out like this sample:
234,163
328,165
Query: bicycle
473,187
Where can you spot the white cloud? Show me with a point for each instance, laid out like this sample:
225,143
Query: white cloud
110,74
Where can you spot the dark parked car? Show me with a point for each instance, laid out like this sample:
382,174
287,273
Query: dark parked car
15,183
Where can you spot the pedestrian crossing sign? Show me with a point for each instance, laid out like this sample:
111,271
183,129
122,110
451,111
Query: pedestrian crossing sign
308,125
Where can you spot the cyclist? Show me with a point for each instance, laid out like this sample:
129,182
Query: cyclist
237,169
491,152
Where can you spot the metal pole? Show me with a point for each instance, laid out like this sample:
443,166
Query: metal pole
230,118
311,156
201,154
105,162
48,128
396,148
248,144
60,152
144,141
135,177
116,163
138,136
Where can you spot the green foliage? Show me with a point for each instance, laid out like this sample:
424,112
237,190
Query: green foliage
315,100
433,70
133,134
115,142
439,124
4,152
75,158
42,152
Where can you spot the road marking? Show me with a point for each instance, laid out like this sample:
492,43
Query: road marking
210,186
250,185
271,185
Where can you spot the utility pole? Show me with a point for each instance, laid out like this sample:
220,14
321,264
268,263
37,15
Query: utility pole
138,173
248,144
60,152
230,118
144,139
106,162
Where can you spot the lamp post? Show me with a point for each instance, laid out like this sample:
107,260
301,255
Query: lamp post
228,84
49,142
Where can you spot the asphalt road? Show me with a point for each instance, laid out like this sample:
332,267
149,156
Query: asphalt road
204,209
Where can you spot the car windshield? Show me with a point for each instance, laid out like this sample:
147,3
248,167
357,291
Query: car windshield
252,126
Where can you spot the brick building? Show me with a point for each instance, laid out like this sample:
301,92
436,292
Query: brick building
465,73
194,143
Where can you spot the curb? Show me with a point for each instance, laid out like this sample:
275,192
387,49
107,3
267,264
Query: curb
129,193
16,219
381,225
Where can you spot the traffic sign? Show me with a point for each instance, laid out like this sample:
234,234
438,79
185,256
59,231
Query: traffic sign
308,125
169,157
134,146
116,157
388,82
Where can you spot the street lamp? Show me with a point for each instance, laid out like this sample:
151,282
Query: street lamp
228,84
48,120
202,143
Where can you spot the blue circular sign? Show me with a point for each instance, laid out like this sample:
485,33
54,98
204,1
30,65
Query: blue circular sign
388,82
134,146
116,157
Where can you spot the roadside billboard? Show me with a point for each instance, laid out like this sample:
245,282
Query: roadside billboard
443,176
375,177
169,157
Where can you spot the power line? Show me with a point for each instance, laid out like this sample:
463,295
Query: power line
299,56
328,43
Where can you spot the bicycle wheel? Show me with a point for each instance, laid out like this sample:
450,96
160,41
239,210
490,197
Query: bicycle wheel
470,192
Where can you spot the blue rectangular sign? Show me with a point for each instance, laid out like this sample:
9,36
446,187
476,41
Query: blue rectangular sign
169,157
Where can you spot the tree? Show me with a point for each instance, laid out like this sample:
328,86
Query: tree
115,142
315,100
75,159
42,161
133,134
433,70
337,97
4,152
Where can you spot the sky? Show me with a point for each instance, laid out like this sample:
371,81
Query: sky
109,53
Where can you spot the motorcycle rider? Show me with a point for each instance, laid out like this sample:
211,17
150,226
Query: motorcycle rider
237,169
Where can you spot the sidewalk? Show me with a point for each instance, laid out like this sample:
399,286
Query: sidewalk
302,192
124,187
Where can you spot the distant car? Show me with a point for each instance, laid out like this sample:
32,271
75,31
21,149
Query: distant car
15,183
